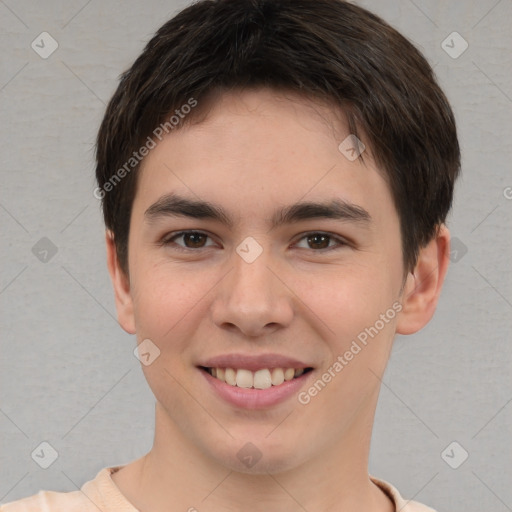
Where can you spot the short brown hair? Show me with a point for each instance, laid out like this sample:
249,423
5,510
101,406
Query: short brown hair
327,49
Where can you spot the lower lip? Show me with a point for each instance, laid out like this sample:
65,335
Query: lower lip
256,398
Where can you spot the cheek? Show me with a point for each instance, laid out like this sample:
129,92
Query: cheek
166,303
348,300
357,306
358,309
164,297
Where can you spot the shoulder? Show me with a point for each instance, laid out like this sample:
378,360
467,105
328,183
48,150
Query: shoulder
401,504
100,493
49,501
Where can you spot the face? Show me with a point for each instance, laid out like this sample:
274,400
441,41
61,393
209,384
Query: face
256,244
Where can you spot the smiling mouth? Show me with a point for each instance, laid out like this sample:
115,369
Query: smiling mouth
260,379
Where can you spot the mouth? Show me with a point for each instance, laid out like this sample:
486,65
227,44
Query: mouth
254,381
263,378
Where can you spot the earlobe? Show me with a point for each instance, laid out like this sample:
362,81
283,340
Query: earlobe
423,286
121,284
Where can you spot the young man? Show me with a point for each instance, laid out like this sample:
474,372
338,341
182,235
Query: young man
275,178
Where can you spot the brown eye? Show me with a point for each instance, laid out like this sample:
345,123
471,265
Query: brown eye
320,241
189,240
194,240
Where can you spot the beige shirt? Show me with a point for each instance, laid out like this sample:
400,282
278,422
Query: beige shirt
102,494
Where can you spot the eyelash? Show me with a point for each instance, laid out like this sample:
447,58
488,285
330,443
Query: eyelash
169,240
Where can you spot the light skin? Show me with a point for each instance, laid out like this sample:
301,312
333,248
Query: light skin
308,298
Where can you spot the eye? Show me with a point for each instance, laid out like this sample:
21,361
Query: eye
321,241
191,240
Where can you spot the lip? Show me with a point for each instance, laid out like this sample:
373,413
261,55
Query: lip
256,399
253,363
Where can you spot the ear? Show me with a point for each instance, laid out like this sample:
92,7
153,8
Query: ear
121,284
423,286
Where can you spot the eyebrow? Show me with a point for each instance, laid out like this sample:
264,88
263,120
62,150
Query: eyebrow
173,205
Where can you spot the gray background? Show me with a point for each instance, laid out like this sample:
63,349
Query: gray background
68,374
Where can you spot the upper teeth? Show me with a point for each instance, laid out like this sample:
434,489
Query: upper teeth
261,379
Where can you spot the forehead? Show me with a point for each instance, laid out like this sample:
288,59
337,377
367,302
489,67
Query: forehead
257,148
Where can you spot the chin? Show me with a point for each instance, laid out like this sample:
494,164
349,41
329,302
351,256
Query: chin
264,466
258,457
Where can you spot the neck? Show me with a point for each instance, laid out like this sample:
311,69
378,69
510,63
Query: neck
175,472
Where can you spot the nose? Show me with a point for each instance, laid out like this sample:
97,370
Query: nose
252,298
